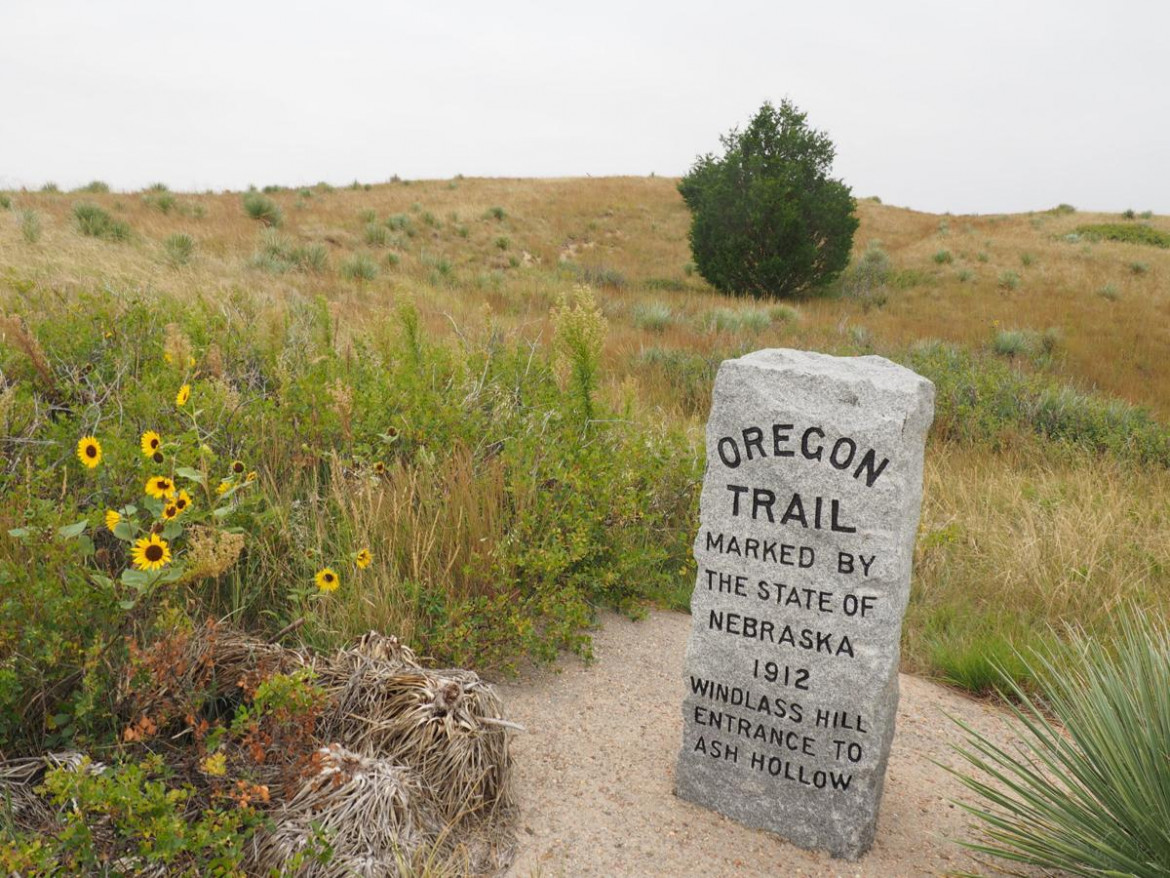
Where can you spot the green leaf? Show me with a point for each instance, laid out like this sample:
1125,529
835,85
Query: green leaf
222,512
173,574
173,530
86,545
104,581
124,531
192,475
71,531
137,579
19,532
127,604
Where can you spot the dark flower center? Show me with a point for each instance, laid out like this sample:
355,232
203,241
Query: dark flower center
162,485
237,467
91,451
153,444
154,552
328,577
158,458
181,504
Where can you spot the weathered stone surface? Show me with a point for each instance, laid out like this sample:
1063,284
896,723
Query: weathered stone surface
808,515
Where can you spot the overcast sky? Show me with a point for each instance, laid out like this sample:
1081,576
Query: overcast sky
941,106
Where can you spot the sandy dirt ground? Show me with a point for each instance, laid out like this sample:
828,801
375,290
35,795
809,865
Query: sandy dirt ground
595,773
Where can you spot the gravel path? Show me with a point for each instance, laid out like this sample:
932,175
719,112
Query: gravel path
595,770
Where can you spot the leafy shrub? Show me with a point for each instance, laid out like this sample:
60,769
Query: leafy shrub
1062,208
97,187
965,275
97,223
276,254
766,219
162,201
1109,292
400,222
943,257
1129,214
982,257
368,215
1139,267
30,225
1086,790
1008,280
179,248
502,243
264,209
158,187
5,201
497,213
741,320
51,188
783,314
653,316
869,273
1027,260
359,267
1136,233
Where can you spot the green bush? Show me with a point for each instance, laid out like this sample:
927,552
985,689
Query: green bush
766,219
162,201
653,316
377,235
97,187
943,257
1008,280
30,225
359,267
264,209
1129,233
1088,790
741,320
5,201
869,273
97,223
179,248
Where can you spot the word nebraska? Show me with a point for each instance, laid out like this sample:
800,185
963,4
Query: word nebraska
765,630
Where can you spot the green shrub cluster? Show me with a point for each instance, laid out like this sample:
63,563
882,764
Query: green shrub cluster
264,209
1128,233
580,506
95,222
985,400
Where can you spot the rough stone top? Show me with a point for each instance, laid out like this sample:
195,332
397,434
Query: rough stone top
884,374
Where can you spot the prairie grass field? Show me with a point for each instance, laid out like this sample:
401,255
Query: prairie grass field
499,388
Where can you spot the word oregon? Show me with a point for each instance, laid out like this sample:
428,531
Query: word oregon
841,453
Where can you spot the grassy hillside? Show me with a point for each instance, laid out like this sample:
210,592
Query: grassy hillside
1047,335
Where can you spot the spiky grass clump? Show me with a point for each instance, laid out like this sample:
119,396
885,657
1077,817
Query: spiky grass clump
95,222
359,267
1088,789
30,225
179,248
263,209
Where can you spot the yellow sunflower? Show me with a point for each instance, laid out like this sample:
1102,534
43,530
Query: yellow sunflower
170,511
363,559
89,451
150,553
150,443
222,487
326,579
160,487
183,501
251,476
113,519
238,467
183,395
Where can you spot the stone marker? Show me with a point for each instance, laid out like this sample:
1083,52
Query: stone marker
808,515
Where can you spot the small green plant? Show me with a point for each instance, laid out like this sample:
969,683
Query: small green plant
462,231
497,213
392,260
305,192
377,235
869,273
5,202
982,257
1146,214
784,313
158,187
1109,292
1008,280
368,216
653,316
502,243
95,222
738,320
1087,790
359,267
179,248
965,275
430,219
96,187
164,202
943,257
51,188
1063,209
1129,214
264,209
1139,267
1027,260
578,337
601,276
30,225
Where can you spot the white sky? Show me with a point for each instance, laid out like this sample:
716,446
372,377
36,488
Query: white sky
967,107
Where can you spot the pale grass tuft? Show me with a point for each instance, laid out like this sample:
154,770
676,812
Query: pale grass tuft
14,332
211,552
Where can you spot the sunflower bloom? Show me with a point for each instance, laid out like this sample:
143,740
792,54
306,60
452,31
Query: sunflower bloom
151,442
113,519
170,511
160,487
251,476
222,487
89,451
183,395
183,502
238,467
326,579
150,553
363,559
